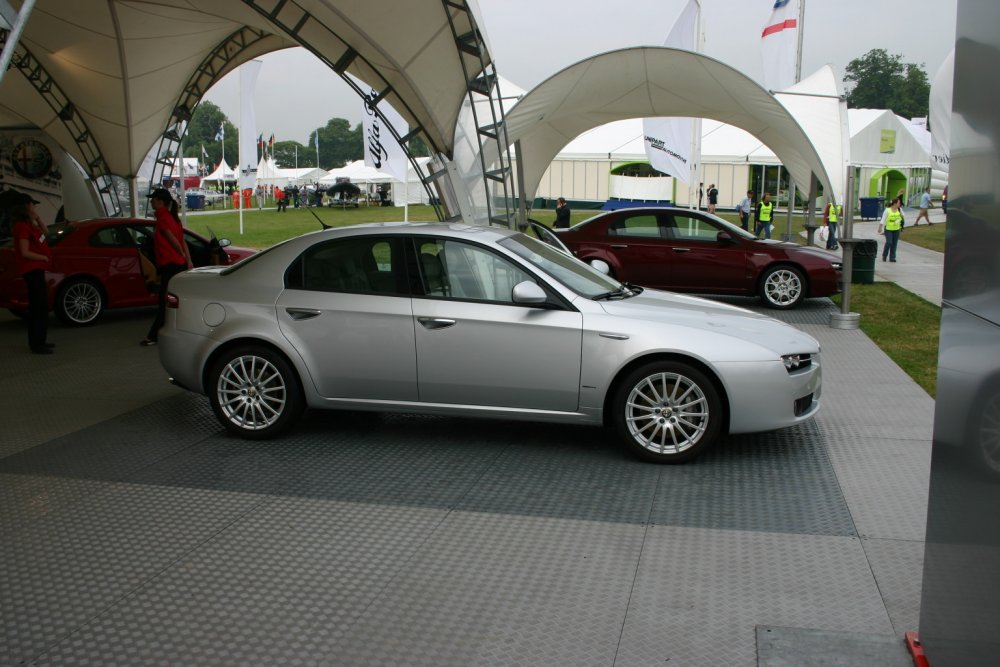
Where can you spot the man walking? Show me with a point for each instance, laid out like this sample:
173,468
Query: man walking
925,203
713,198
744,208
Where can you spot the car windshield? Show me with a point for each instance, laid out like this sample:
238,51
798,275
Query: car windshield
569,271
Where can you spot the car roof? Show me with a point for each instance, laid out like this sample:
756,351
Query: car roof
455,229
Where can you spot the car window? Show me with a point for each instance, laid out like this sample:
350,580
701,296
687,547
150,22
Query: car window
641,226
690,228
112,236
365,265
456,270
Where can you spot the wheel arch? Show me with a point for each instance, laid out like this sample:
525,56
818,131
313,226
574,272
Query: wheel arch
668,356
240,342
790,264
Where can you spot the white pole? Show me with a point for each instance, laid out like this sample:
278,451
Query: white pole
406,197
695,168
184,210
798,51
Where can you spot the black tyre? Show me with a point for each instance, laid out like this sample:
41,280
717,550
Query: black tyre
254,392
782,287
666,412
79,302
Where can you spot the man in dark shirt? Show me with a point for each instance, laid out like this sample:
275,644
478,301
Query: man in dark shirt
562,214
713,197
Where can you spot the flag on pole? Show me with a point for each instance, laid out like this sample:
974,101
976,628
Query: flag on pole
779,45
382,151
248,125
668,141
221,134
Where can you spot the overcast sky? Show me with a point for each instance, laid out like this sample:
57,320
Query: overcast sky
532,39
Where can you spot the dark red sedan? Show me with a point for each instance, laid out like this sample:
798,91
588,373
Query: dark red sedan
103,263
691,251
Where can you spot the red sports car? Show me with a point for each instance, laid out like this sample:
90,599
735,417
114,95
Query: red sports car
103,263
691,251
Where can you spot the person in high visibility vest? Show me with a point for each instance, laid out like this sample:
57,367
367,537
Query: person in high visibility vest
831,217
890,225
764,216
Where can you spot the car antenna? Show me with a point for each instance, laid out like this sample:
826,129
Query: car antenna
322,224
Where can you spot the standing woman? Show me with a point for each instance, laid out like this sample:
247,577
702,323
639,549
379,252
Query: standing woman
172,254
32,257
890,225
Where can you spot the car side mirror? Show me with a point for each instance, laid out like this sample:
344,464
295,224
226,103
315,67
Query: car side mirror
529,293
224,242
601,266
724,237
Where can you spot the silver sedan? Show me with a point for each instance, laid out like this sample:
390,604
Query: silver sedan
477,321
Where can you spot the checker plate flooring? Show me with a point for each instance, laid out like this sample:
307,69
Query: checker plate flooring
134,531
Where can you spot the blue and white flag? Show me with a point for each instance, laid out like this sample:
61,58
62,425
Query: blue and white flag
668,141
780,45
221,134
247,167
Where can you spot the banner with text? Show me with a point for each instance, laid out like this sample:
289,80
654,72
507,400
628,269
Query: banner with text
248,125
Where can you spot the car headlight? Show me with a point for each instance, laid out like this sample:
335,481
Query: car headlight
837,266
796,362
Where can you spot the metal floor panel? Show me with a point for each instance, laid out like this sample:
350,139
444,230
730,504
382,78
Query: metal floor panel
134,530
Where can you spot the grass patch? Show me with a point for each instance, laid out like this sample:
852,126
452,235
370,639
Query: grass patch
925,236
903,325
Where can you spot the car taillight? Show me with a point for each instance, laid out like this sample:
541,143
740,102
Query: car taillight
172,300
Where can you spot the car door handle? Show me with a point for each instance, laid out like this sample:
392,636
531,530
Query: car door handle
681,249
618,245
299,314
433,323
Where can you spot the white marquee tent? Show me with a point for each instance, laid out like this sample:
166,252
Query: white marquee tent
582,170
223,173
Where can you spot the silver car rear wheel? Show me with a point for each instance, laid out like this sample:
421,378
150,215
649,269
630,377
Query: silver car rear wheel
255,392
783,287
667,412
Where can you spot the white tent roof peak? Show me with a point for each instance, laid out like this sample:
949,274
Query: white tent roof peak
649,82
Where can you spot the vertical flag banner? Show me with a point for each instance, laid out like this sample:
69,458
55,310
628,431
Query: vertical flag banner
780,44
382,151
248,125
221,134
668,140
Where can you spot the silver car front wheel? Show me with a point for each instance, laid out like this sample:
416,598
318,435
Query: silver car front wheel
255,392
667,412
783,287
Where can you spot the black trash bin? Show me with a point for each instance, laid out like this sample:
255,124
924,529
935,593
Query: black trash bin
863,261
871,208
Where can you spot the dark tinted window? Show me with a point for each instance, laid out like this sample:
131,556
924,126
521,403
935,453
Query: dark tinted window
637,226
112,236
457,270
366,265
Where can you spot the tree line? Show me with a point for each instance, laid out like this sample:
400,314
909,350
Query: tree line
339,143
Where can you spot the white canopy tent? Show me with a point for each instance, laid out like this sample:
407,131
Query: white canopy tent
582,169
222,174
658,81
117,71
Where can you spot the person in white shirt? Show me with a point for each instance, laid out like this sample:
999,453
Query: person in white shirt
925,203
744,208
